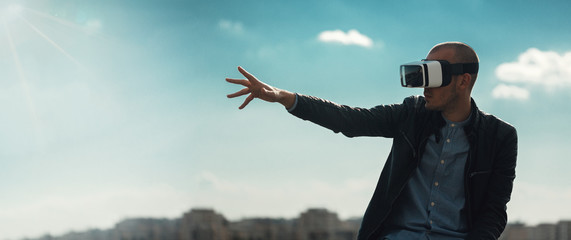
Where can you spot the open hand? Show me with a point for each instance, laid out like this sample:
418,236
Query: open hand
258,89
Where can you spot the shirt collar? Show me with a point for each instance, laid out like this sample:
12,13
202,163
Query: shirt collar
457,124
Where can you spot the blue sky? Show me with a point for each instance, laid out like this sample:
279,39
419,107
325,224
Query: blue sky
115,109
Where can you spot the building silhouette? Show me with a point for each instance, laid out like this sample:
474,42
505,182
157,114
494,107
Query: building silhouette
313,224
201,224
317,224
544,231
146,228
206,224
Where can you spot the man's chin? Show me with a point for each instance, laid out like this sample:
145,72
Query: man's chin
431,107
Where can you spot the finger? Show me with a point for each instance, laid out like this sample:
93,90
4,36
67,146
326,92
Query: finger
248,100
242,82
239,93
247,75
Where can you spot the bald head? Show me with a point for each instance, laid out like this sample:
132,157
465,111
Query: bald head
462,54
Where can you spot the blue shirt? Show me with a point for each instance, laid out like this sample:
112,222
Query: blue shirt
432,203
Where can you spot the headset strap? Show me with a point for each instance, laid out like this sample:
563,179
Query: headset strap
461,68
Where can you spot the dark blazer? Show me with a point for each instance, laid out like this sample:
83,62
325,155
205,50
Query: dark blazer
490,167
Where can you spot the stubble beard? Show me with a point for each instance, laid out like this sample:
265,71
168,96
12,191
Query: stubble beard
446,103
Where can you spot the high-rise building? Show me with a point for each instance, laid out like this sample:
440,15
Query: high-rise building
320,224
262,229
146,228
515,231
204,224
563,230
544,231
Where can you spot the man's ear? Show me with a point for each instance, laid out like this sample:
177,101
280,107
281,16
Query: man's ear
464,80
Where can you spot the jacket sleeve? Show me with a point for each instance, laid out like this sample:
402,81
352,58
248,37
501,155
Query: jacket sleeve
381,120
492,217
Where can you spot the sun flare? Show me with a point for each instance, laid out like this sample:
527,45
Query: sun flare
11,12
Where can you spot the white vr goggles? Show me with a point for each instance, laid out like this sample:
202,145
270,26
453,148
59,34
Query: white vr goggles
433,73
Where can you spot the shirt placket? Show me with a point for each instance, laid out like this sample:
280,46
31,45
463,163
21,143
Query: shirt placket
439,171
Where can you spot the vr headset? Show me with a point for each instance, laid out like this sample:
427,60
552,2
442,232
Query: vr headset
433,73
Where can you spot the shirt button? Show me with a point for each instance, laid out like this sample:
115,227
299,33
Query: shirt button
441,161
452,125
432,204
430,222
448,140
436,184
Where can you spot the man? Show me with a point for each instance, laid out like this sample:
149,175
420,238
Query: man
451,168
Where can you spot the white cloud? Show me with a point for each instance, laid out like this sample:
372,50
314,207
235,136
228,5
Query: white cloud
504,91
352,37
535,67
231,26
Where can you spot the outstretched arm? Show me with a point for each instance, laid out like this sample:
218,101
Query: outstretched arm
378,121
257,89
